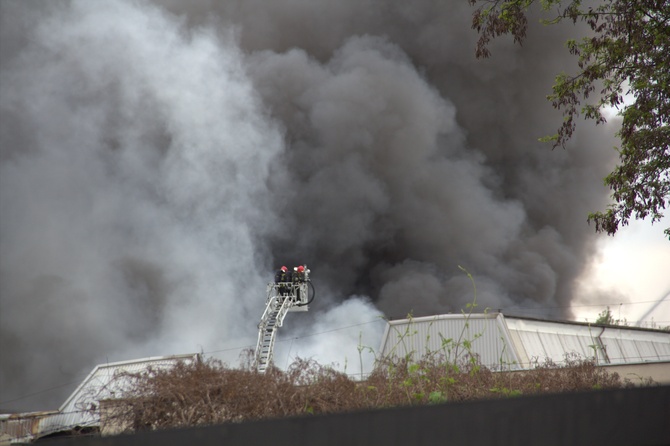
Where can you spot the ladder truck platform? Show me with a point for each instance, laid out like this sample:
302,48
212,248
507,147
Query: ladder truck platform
293,294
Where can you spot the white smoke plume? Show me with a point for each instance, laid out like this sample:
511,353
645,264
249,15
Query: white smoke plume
160,159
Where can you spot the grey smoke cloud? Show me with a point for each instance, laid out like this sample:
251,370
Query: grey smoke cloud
131,214
159,159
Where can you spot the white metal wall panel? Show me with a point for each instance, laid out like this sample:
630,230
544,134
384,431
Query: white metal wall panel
663,350
82,407
576,347
526,341
630,351
647,351
554,348
632,346
447,334
541,346
520,348
614,351
533,346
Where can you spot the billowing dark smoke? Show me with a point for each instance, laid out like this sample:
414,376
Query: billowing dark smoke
160,159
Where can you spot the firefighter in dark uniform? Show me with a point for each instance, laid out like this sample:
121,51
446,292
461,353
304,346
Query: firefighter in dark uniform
298,278
282,277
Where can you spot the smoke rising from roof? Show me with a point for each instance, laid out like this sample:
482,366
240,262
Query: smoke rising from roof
159,160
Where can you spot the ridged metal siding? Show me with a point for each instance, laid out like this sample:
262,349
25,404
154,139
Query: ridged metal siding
629,346
447,335
82,407
543,341
22,427
523,343
538,341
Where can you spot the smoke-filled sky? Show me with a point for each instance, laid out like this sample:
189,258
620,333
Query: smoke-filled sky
160,159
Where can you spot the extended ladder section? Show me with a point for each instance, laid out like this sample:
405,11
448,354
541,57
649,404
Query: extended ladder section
282,298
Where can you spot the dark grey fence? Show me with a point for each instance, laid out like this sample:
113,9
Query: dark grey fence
639,416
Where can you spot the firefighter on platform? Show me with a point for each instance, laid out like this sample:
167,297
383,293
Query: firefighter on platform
282,278
298,278
299,274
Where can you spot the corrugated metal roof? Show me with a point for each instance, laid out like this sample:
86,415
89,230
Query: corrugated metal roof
537,340
516,342
104,382
453,336
625,346
22,427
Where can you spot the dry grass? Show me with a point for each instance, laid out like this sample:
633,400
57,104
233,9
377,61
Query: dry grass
210,393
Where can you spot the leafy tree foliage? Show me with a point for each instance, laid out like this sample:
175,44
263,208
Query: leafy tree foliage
624,58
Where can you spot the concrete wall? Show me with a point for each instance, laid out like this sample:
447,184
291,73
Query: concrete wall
659,372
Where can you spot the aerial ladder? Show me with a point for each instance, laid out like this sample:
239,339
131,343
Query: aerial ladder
293,295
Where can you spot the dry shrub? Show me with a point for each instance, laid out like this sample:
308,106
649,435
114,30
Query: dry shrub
206,393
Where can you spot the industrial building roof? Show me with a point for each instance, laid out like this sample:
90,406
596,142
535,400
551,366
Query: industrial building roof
81,409
515,343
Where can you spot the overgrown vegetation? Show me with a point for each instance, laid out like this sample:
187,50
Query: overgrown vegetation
606,317
209,392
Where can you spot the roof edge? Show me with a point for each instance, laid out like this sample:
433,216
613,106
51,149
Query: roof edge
438,317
